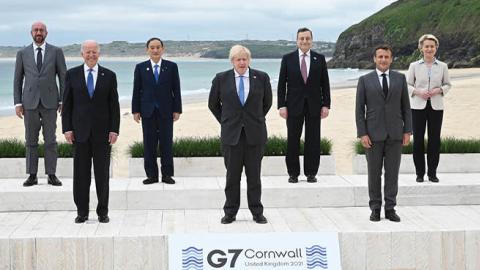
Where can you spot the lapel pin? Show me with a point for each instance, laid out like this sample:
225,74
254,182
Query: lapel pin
314,58
103,74
254,76
148,69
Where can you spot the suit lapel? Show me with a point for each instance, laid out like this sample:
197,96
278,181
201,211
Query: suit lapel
252,78
296,64
376,82
100,80
392,78
313,64
83,81
30,57
46,56
232,89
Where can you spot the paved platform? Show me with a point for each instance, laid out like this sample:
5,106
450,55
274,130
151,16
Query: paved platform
207,193
429,237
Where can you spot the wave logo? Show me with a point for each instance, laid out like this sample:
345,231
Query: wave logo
192,258
317,257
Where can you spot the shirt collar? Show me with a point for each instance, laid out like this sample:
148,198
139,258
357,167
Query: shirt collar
86,68
35,46
246,74
379,73
300,53
153,63
422,61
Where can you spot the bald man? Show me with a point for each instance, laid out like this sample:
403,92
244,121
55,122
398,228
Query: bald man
37,99
91,121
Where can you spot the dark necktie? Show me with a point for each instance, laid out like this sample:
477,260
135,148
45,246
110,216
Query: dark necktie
303,68
90,85
241,91
385,84
39,59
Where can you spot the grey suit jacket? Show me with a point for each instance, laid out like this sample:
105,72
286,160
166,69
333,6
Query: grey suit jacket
223,102
380,117
30,86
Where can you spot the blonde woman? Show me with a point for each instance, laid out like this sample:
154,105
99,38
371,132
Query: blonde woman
428,82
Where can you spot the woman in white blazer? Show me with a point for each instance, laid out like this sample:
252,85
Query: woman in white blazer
428,82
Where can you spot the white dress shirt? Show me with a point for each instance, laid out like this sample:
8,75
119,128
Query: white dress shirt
94,73
307,60
35,46
246,82
380,78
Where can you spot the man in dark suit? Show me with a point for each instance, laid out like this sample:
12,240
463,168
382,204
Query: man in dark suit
91,121
303,95
157,102
37,97
384,124
240,99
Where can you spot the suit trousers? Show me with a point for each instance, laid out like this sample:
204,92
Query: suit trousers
158,130
385,154
236,157
82,168
433,120
34,120
311,160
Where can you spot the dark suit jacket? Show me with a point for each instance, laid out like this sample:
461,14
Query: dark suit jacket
379,117
292,90
30,86
85,116
166,93
227,109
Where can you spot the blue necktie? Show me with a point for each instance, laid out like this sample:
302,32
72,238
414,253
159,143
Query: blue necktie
155,73
90,85
241,91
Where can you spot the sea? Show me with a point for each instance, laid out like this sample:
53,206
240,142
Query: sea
195,76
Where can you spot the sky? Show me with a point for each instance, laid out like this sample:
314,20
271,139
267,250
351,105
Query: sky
135,21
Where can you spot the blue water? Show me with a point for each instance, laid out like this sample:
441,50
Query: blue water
195,75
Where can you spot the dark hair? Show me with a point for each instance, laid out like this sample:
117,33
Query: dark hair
152,39
385,47
304,29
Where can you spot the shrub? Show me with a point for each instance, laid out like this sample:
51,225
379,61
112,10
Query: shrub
211,147
449,145
14,148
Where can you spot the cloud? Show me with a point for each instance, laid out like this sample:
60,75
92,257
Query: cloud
70,22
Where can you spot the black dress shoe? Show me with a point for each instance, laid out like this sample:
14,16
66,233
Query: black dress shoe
53,180
168,180
419,179
31,180
227,219
103,219
150,180
293,179
260,219
311,179
81,219
375,215
391,215
433,179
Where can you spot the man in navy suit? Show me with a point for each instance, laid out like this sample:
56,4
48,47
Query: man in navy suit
303,96
157,103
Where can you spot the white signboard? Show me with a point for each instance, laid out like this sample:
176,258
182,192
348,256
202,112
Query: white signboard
316,250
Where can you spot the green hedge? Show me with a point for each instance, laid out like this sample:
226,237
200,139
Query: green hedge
449,145
14,148
211,147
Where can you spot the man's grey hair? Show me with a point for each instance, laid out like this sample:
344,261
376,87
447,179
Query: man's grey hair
239,50
89,41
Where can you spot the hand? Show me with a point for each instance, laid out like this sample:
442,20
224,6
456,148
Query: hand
406,139
435,91
283,113
19,111
365,140
137,117
59,108
324,112
69,137
176,116
422,93
112,137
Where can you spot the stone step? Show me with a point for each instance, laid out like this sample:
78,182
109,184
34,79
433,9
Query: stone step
429,237
207,193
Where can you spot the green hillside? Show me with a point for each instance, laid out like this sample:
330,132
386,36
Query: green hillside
454,22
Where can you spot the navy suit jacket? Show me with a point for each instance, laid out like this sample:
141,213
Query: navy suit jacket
165,93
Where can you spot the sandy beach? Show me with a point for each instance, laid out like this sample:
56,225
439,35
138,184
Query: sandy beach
460,120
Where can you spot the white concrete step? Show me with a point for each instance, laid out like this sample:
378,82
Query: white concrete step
429,237
207,193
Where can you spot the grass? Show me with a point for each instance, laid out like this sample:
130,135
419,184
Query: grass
449,145
211,147
14,148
